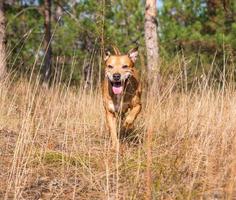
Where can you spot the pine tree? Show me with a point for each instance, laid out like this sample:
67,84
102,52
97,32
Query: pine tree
47,42
2,40
151,39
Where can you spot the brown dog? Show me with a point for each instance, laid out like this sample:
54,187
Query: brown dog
121,91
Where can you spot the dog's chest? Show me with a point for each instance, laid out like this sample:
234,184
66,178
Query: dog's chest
118,104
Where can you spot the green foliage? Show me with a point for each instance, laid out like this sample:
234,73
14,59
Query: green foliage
198,29
83,28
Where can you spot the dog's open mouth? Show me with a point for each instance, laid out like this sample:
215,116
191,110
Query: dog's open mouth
117,87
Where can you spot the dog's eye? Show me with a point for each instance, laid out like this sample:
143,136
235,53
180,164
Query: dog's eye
125,66
109,66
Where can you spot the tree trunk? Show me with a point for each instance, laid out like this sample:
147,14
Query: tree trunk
47,42
2,41
153,74
151,40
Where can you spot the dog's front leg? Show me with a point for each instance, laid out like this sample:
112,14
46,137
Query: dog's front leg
129,120
112,125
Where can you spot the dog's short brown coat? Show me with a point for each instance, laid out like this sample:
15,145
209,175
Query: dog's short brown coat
127,104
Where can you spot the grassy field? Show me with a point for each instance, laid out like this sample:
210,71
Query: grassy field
54,144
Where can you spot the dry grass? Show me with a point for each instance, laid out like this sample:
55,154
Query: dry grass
54,145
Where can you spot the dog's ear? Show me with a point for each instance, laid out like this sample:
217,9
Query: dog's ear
133,54
107,55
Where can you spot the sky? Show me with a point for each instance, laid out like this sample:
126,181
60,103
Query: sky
159,3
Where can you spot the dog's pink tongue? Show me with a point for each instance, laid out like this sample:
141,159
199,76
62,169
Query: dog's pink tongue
117,90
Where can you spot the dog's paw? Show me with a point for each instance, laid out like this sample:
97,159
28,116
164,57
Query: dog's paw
128,122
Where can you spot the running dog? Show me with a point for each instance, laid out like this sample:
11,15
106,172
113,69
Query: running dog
121,91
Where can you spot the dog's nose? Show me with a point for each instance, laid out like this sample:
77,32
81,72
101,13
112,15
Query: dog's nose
116,76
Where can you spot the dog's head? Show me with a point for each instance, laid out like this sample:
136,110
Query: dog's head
119,68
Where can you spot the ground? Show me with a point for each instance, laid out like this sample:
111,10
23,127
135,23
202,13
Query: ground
54,145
